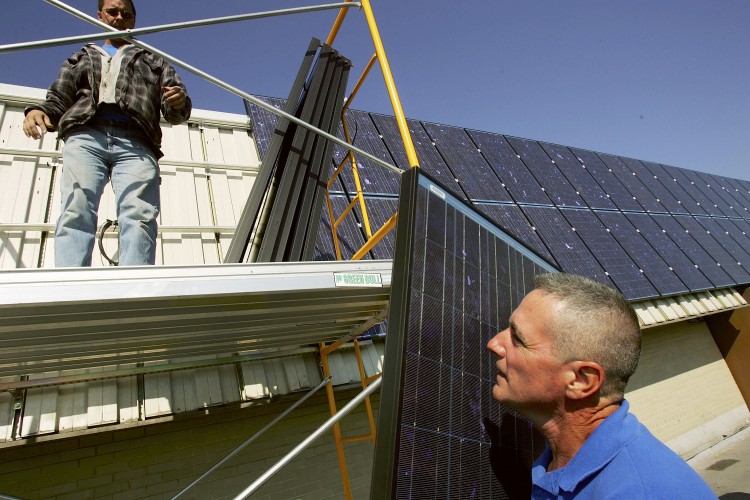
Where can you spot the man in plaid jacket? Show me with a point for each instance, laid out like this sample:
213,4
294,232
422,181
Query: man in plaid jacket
105,105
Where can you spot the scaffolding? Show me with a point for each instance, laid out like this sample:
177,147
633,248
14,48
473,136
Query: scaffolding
371,238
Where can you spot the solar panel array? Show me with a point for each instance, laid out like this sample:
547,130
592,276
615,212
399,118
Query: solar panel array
649,229
440,432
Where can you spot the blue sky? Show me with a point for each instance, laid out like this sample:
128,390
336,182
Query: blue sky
660,81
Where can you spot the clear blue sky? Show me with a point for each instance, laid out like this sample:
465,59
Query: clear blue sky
660,81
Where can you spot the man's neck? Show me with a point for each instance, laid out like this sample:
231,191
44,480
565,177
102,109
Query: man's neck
568,430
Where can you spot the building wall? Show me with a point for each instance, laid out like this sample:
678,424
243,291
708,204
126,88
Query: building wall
731,331
683,390
157,461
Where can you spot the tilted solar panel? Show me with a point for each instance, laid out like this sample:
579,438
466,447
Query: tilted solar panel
472,171
620,267
673,186
643,254
726,240
663,195
607,180
713,189
504,161
679,175
632,183
546,172
456,279
512,220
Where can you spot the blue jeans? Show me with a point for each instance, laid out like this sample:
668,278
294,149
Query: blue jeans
91,157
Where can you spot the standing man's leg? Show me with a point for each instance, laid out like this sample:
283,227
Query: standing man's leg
85,172
135,181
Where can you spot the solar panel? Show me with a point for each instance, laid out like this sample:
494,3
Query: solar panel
546,172
350,235
668,250
632,183
474,174
740,196
607,180
717,252
379,211
570,252
663,195
727,241
514,175
738,230
264,122
673,186
512,220
619,266
429,158
373,178
643,254
714,190
700,258
693,191
456,280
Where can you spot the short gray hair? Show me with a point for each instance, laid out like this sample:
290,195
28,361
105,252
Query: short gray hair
597,324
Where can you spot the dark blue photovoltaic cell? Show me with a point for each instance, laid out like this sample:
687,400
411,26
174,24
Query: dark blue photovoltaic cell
740,251
547,174
632,183
379,211
512,172
607,180
739,231
264,123
579,177
349,235
633,242
668,250
570,252
692,190
620,267
685,241
650,180
717,252
715,191
429,158
477,178
743,192
512,220
674,187
374,178
713,194
734,190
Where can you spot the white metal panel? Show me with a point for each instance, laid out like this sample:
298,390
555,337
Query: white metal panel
6,412
102,402
39,412
127,399
72,411
254,376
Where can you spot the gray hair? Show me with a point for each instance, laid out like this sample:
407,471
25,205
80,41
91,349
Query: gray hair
597,324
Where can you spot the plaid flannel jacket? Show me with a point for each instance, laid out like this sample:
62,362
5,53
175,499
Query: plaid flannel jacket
72,99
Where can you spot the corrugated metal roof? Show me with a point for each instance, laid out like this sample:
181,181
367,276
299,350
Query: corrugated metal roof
659,312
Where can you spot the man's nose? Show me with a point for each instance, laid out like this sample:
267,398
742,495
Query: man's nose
496,343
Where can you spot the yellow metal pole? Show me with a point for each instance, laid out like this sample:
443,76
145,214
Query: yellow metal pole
379,234
363,378
337,24
403,127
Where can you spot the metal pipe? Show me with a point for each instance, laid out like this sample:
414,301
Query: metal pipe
390,85
53,42
35,226
312,437
225,86
257,434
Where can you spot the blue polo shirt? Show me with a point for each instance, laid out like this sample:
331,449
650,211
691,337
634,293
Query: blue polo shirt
620,459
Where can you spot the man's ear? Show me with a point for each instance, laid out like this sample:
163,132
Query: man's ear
585,380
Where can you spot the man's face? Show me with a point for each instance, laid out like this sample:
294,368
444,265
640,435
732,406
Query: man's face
530,378
118,14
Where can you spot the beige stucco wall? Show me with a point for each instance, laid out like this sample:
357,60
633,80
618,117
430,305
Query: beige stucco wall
683,390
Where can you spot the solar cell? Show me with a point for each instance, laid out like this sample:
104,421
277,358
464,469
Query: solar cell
700,258
725,233
429,158
646,258
579,177
618,265
546,172
456,280
728,203
349,234
379,211
514,175
740,193
479,181
570,252
264,122
373,178
511,219
663,195
607,180
739,230
673,186
693,191
709,243
632,183
668,250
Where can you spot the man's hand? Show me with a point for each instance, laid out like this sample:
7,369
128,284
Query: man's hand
174,96
36,124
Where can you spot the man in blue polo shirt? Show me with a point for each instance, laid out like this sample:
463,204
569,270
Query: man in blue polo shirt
563,362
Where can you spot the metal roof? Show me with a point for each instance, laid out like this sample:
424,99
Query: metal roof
57,319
